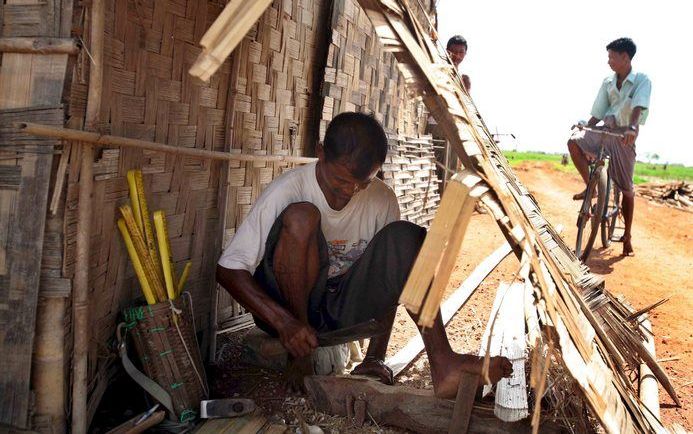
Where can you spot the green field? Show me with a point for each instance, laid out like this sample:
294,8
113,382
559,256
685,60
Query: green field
644,172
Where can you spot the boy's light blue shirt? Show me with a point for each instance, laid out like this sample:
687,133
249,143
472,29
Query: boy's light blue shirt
610,101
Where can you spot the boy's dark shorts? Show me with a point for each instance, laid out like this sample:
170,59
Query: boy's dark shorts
370,289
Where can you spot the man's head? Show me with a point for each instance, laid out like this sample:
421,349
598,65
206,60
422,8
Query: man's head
352,153
621,52
457,49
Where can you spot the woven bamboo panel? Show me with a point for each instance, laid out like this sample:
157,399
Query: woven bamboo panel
272,109
410,170
148,94
361,76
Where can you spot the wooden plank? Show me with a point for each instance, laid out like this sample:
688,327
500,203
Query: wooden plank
430,255
464,404
452,250
452,305
19,291
413,409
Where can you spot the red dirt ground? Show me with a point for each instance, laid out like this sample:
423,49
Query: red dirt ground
662,267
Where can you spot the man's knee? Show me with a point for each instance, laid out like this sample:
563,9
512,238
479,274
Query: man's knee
302,218
405,234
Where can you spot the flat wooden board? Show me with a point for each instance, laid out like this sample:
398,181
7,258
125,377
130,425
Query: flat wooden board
19,281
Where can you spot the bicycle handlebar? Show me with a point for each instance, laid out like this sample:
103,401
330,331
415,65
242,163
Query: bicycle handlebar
599,131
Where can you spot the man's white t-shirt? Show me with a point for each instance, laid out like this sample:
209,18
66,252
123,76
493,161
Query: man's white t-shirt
347,231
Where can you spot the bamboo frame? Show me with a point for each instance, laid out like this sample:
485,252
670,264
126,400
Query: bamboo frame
107,140
39,45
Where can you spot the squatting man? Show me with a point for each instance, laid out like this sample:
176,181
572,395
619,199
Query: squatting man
324,248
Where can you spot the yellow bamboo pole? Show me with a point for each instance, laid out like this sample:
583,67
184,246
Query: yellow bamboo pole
136,263
148,263
183,278
165,252
134,199
148,233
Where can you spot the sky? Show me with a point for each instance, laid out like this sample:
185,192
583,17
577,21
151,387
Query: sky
536,66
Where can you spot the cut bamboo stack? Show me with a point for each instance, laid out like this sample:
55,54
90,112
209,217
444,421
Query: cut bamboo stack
150,256
410,170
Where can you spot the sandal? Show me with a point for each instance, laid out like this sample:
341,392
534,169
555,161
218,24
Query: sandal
370,371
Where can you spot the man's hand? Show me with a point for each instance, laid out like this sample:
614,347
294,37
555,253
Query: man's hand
299,339
629,135
296,371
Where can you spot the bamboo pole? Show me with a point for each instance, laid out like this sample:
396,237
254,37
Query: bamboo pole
86,179
80,303
106,140
48,362
39,45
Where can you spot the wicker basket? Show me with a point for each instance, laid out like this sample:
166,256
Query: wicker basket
167,347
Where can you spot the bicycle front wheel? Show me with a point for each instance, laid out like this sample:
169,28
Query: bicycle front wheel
612,210
591,213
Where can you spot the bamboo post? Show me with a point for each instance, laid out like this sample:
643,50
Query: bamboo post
86,179
48,362
80,301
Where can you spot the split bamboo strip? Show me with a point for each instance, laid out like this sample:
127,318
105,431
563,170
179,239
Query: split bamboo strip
165,252
649,390
134,199
38,45
236,23
136,263
183,278
148,264
147,223
107,140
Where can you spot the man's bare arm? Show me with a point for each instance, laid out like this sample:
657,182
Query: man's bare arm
298,338
633,127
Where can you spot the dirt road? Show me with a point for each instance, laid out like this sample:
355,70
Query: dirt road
662,267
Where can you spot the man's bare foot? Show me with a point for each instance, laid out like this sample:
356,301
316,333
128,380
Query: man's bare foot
582,194
627,246
446,378
373,367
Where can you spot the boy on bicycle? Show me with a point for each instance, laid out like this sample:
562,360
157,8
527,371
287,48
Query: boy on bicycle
622,103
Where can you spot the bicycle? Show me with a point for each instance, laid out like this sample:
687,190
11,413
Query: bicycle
602,210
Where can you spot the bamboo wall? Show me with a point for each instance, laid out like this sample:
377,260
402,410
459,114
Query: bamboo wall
361,76
268,98
148,94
